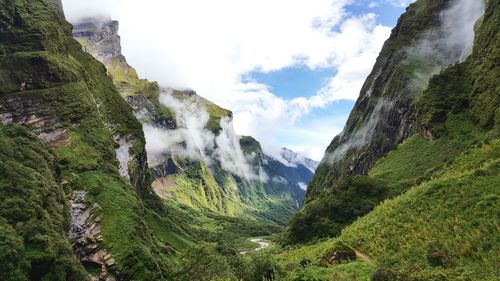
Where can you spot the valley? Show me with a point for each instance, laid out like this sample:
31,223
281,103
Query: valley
105,175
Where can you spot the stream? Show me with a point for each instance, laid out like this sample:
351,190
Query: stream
262,245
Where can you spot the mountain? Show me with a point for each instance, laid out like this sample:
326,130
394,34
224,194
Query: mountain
295,159
391,109
73,159
195,155
409,190
106,176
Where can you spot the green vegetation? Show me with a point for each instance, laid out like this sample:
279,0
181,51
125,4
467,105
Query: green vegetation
387,100
222,262
212,227
448,92
485,101
34,216
445,227
417,159
439,218
196,187
44,70
428,210
343,204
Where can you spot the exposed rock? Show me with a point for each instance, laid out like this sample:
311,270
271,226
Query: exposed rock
296,159
427,134
342,256
123,155
30,112
85,236
162,185
105,33
149,112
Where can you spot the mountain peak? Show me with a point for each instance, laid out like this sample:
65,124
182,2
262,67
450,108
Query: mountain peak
293,158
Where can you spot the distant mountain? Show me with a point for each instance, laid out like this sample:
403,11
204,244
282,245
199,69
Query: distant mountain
193,151
296,159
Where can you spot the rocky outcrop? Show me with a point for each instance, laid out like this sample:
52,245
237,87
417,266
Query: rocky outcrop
85,235
150,112
104,33
296,159
123,155
26,111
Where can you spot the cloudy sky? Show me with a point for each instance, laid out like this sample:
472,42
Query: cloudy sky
290,70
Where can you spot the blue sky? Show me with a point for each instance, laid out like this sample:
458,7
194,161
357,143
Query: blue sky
300,81
290,70
291,82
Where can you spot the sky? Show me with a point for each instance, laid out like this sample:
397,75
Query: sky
290,70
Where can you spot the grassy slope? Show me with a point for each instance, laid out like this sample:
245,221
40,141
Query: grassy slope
445,223
445,227
33,226
69,86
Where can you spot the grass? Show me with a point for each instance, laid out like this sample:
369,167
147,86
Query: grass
440,220
417,159
444,226
124,227
33,212
44,69
443,229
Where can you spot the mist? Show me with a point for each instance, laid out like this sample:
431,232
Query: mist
361,136
450,43
193,141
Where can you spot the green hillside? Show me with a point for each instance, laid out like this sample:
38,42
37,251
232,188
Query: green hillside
438,217
266,190
409,191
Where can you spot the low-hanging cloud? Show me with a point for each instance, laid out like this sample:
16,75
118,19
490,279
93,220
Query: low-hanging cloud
193,141
361,136
450,43
211,46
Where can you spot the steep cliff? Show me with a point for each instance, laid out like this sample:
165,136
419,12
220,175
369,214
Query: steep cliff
90,149
396,105
194,153
428,209
428,37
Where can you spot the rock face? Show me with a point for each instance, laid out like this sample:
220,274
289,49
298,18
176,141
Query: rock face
85,235
234,173
107,47
425,40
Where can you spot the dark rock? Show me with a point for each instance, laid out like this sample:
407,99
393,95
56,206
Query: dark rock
305,262
342,256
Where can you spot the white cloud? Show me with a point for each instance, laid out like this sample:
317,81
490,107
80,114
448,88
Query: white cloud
191,140
210,46
400,3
